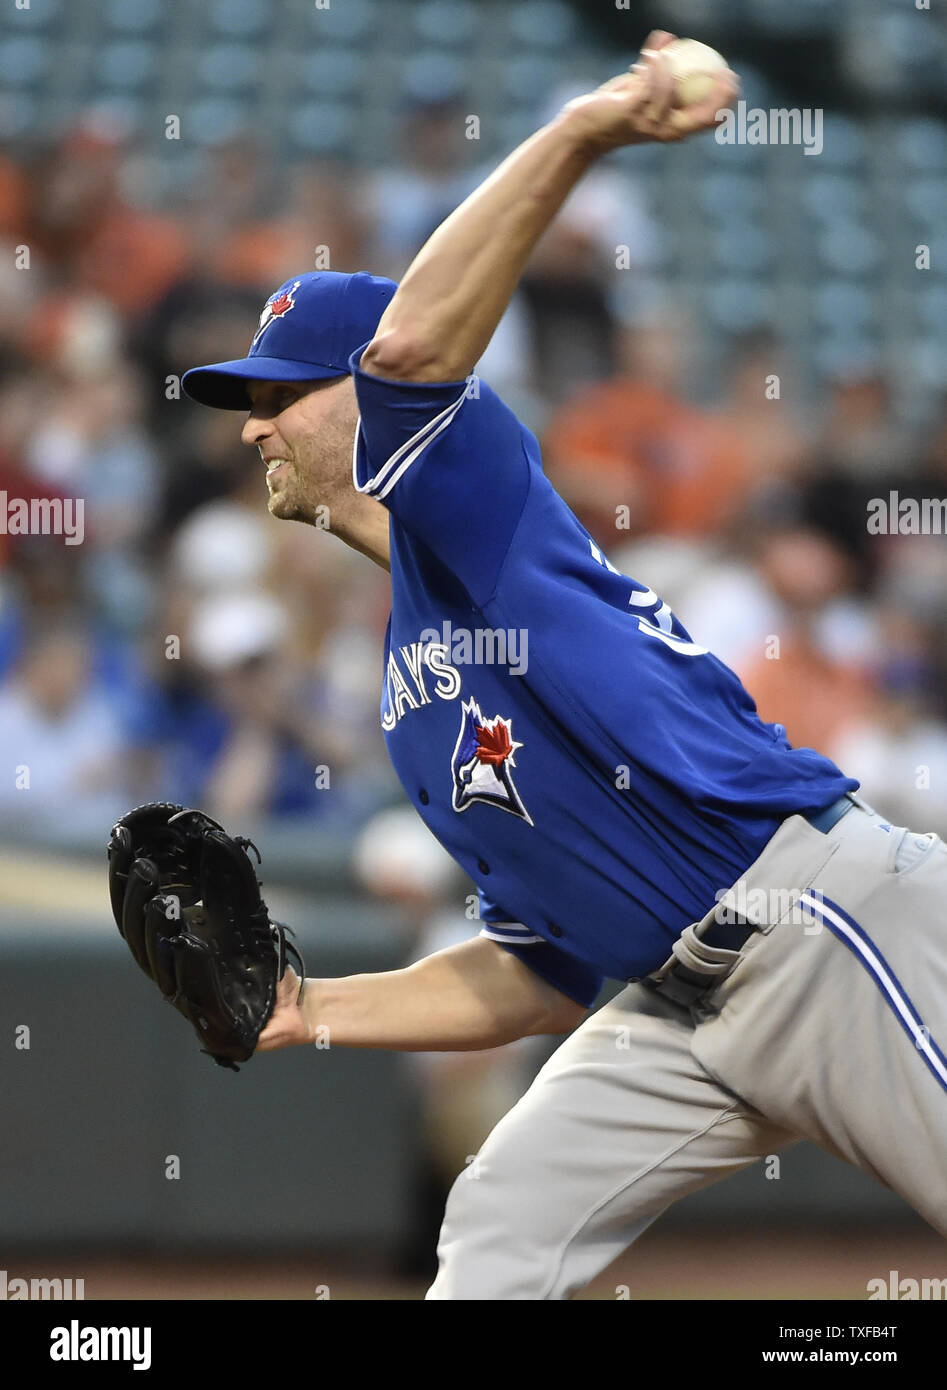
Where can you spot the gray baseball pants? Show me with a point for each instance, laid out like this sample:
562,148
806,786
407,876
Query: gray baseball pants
829,1025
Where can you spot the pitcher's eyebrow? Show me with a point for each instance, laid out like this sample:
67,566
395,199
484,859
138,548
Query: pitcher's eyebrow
263,388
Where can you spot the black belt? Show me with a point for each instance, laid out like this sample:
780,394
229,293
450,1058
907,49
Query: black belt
684,986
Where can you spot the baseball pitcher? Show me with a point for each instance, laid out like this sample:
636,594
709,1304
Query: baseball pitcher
622,808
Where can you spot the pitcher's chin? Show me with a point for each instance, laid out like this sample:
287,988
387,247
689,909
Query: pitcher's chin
282,507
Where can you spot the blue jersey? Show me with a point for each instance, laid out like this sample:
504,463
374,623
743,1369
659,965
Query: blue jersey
599,775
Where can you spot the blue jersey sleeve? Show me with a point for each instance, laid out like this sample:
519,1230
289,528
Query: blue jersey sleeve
449,461
559,969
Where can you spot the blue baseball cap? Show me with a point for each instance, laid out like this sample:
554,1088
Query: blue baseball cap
307,332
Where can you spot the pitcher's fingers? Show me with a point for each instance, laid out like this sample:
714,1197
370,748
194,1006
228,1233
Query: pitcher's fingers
709,112
658,39
658,95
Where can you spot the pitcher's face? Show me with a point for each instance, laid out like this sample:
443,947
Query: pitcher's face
305,432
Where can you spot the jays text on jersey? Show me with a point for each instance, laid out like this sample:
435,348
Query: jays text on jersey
600,776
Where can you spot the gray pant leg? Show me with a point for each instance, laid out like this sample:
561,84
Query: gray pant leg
620,1123
833,1023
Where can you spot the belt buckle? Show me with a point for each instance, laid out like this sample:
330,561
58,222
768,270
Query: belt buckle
685,976
682,986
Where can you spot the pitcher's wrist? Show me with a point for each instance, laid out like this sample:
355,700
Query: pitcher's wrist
578,128
308,1004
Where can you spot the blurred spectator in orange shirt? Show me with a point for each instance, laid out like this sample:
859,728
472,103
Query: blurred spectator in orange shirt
86,231
634,443
757,409
797,681
317,228
13,198
860,437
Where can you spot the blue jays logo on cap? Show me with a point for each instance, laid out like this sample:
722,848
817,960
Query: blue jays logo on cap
482,763
309,329
275,307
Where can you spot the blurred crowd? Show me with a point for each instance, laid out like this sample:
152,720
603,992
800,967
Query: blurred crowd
193,648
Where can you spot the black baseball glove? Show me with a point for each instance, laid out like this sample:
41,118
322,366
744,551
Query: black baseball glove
186,898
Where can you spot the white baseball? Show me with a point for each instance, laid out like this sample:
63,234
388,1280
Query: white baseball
695,67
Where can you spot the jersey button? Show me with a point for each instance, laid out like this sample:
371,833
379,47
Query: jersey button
423,797
554,930
483,866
